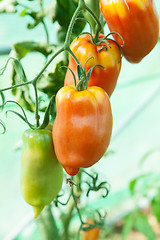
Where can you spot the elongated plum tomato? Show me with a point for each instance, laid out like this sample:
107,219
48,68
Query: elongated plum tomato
136,21
41,173
108,57
82,128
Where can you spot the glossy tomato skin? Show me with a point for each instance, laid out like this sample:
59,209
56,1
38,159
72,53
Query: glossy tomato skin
108,57
41,173
82,128
136,21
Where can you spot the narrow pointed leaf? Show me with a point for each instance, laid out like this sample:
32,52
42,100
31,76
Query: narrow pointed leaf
19,70
129,223
142,225
47,114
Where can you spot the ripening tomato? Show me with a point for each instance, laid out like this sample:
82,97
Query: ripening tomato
92,234
82,128
107,56
41,173
136,21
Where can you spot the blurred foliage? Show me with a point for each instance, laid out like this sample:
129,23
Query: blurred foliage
57,11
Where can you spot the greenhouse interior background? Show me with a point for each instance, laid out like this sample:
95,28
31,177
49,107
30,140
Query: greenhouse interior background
135,145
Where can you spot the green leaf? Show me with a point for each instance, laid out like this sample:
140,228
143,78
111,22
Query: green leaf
155,204
23,13
46,116
128,225
142,225
51,82
22,48
65,11
19,70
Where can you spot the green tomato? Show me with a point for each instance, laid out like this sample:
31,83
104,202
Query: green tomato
41,173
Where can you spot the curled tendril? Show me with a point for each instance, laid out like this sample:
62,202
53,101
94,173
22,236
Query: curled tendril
111,33
119,48
57,201
24,117
2,124
94,186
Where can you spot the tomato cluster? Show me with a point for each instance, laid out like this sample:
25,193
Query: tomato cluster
83,125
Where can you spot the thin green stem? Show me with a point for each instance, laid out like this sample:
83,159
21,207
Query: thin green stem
15,86
80,7
93,8
46,31
67,219
47,64
37,117
75,203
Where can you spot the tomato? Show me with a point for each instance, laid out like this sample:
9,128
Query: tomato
82,128
41,173
136,21
109,57
92,234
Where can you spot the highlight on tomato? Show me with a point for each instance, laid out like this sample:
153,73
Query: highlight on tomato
82,128
136,21
41,173
106,54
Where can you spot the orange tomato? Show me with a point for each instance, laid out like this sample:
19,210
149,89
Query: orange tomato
82,128
92,234
136,21
108,57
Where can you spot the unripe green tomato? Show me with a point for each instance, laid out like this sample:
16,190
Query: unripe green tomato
41,173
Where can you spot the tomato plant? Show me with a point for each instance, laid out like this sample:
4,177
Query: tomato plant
105,54
92,234
41,173
82,113
136,21
82,128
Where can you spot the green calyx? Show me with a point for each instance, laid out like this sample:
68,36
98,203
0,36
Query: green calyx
84,76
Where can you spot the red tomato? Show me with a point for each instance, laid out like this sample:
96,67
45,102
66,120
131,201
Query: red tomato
136,21
82,128
108,57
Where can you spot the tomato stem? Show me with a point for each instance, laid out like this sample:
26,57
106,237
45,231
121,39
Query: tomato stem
37,117
75,203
